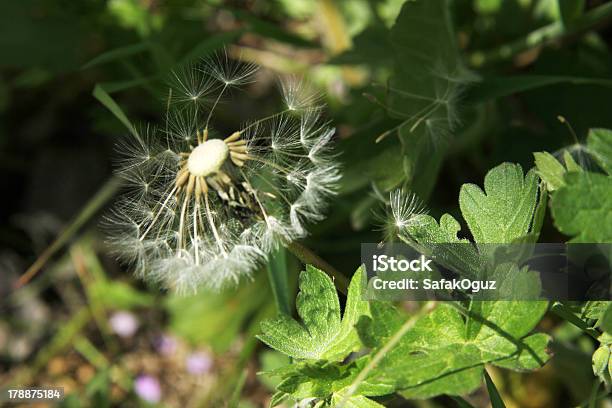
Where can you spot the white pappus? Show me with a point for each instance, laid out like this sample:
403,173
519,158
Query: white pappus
203,209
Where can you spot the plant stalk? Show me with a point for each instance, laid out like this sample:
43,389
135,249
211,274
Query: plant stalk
306,255
542,36
409,324
564,312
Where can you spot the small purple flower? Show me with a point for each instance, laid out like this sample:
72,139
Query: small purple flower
166,345
148,388
198,363
124,324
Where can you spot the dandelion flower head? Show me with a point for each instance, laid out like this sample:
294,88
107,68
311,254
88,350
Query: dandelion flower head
202,208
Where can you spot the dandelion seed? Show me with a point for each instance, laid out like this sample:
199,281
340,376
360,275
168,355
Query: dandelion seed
204,209
403,210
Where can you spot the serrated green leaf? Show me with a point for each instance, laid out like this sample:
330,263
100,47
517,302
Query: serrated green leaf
582,208
323,335
503,212
532,354
599,142
321,379
594,309
376,330
443,354
425,231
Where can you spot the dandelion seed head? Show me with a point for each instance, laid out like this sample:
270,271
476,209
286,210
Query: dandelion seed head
203,209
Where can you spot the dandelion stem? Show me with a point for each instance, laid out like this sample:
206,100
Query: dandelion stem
306,255
564,312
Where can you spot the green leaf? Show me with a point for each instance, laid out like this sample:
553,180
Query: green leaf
594,309
426,80
376,330
552,171
532,354
570,10
570,163
599,142
354,401
606,320
323,335
321,379
503,212
582,208
443,354
549,170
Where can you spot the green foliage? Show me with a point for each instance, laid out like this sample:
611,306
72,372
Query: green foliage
444,353
440,125
215,318
582,208
504,212
551,171
323,335
599,142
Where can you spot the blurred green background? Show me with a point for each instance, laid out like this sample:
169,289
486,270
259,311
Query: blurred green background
84,323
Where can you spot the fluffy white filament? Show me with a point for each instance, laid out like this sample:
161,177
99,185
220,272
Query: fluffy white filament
281,172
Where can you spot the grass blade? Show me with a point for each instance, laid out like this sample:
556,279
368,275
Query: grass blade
117,53
277,275
105,99
496,399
